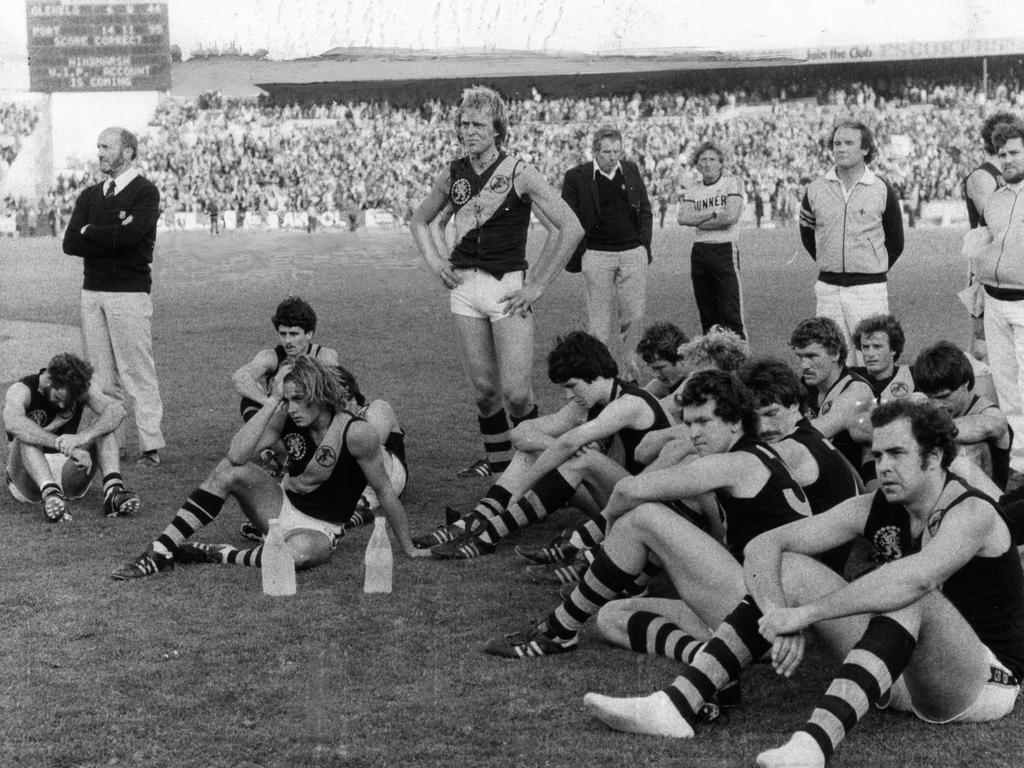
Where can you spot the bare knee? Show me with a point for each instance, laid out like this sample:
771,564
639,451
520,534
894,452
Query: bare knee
225,474
519,399
641,520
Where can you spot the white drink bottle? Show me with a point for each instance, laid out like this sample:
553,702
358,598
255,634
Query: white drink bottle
378,560
277,564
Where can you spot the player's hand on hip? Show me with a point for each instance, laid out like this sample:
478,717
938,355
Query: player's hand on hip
448,277
519,302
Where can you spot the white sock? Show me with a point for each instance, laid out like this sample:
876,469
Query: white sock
654,715
801,751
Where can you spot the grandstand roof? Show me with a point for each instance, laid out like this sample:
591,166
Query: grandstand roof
368,70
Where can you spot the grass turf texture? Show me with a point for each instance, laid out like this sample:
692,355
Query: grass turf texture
197,668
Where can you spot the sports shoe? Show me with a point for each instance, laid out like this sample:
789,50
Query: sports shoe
481,468
148,459
801,751
558,550
726,698
200,552
368,500
529,642
569,573
453,528
250,531
57,508
360,517
466,547
121,503
146,564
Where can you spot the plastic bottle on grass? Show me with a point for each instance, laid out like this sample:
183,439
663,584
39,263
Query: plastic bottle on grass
277,564
378,560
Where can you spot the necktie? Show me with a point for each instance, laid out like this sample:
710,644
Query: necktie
109,191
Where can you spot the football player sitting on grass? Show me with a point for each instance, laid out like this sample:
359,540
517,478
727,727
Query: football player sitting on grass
332,457
754,488
937,629
55,446
557,453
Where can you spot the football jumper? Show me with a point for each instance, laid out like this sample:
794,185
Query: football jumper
248,407
842,440
992,456
974,216
781,500
988,591
837,479
395,442
900,384
897,386
626,440
335,499
491,219
44,413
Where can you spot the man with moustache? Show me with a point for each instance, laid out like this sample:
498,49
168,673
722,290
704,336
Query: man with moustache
1000,271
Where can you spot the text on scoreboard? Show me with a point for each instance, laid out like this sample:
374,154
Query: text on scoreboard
92,46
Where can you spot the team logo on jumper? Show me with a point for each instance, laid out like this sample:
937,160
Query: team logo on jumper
899,389
295,445
460,192
826,407
38,416
887,544
500,184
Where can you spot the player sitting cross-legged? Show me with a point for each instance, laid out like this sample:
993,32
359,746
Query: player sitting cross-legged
56,446
332,457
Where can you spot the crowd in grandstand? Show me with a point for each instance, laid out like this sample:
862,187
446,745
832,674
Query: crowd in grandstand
257,158
16,122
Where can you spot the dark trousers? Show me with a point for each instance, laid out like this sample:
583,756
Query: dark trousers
715,271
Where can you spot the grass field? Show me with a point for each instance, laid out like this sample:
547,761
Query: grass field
197,668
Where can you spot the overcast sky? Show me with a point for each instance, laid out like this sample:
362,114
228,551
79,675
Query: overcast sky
297,28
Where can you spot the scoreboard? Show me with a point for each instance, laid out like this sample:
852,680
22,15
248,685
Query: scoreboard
85,45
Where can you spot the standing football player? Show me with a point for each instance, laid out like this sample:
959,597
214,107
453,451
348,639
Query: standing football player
489,195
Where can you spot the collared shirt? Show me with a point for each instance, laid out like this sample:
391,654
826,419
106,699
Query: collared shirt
866,178
122,180
609,176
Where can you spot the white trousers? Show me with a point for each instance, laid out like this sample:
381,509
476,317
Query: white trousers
118,341
848,305
1004,335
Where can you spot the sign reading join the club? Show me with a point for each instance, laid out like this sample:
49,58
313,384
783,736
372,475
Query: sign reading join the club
85,45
